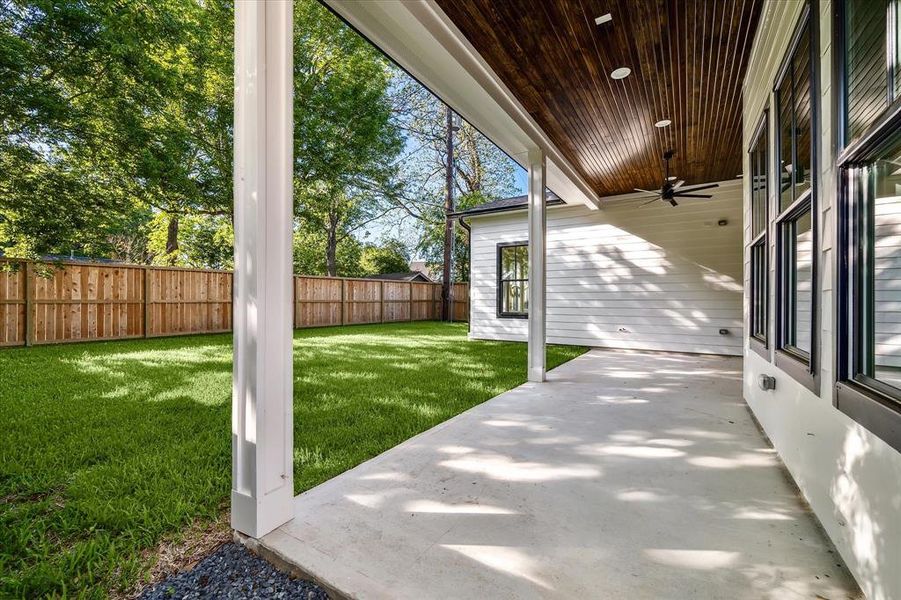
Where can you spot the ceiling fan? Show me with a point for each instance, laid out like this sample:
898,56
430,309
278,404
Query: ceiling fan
672,189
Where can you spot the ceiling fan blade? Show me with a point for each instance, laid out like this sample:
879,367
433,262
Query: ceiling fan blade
697,188
657,193
673,202
679,184
649,201
693,195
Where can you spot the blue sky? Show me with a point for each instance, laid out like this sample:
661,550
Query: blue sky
522,180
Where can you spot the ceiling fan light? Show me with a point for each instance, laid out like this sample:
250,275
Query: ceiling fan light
663,123
621,73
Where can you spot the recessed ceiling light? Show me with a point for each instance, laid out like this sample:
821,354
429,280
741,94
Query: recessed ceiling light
663,123
621,73
605,18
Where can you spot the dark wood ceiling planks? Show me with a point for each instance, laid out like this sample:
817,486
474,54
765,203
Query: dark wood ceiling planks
688,59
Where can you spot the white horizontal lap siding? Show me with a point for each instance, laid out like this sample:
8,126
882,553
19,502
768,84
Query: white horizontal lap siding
887,294
803,312
626,276
487,233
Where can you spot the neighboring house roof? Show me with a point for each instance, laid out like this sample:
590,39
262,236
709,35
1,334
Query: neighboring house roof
423,267
505,204
408,276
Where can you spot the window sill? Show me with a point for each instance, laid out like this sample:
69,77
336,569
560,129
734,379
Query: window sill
798,370
760,347
865,407
511,316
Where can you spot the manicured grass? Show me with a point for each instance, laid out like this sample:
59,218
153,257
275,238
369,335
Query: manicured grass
107,448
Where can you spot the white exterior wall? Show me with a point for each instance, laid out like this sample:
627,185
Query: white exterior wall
626,276
851,478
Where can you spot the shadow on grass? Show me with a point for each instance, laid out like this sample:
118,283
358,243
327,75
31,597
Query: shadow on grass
110,446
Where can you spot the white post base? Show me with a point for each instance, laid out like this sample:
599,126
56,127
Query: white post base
537,375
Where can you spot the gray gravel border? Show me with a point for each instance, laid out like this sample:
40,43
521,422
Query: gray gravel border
233,572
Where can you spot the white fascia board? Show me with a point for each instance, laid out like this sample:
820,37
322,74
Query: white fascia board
421,38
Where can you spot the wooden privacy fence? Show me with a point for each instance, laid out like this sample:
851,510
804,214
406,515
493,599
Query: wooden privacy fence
90,301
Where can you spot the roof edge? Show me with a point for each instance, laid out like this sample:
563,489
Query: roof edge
477,211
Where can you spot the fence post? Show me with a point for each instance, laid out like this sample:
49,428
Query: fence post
29,303
294,301
381,302
343,299
411,301
147,311
437,301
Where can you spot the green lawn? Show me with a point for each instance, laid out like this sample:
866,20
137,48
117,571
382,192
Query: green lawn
107,448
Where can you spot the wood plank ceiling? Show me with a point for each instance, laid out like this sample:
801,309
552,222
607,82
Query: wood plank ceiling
688,59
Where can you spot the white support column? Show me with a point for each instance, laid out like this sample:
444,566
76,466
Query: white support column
262,394
537,259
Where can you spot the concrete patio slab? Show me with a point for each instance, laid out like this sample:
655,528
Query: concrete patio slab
626,475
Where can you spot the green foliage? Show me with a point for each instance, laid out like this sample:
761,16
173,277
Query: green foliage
345,139
104,115
204,241
310,253
116,118
391,256
116,445
115,112
431,242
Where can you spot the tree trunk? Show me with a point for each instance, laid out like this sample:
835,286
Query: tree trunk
331,250
446,308
172,240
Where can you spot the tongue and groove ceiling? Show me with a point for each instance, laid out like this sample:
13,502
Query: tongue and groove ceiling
688,59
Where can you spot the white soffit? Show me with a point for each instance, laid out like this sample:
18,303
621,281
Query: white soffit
423,40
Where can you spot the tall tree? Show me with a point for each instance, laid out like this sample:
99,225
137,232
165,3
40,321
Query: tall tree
345,139
481,172
58,62
447,256
112,107
310,252
115,110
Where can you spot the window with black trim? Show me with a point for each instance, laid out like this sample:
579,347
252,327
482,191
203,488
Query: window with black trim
868,340
759,253
513,280
870,49
796,218
874,198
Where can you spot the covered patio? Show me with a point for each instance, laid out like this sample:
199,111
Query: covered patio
625,475
621,474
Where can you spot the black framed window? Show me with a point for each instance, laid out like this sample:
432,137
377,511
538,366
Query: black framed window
759,247
513,280
797,262
868,325
869,46
870,290
795,224
868,307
